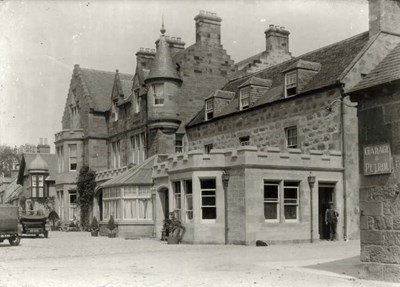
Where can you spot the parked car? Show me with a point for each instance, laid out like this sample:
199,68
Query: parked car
10,228
34,223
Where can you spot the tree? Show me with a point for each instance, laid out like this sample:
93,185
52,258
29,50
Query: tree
85,188
9,156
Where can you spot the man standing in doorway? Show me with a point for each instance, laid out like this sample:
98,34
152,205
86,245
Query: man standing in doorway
331,216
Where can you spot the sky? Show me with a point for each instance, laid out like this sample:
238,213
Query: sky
41,41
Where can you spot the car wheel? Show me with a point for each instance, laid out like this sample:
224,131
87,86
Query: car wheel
15,241
46,234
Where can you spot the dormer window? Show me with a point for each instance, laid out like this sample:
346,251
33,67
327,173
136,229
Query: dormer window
290,84
158,94
244,98
114,110
137,101
209,109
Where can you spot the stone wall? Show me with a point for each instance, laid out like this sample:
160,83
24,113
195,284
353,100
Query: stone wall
266,125
379,121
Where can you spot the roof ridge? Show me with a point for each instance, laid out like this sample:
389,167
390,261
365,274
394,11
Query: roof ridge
295,58
103,71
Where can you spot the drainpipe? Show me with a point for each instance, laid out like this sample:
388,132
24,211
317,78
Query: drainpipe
344,157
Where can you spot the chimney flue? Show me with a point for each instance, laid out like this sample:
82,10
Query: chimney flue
277,39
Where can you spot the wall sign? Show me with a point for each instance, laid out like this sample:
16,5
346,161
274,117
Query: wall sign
377,159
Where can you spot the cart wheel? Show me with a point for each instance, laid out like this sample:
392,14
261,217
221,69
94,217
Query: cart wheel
15,241
46,234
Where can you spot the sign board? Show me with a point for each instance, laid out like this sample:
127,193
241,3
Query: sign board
377,159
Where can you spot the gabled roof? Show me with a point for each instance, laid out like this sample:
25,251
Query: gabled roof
306,65
221,94
255,81
333,59
387,70
99,86
140,174
12,191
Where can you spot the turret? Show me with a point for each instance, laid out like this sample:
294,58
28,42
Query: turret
163,83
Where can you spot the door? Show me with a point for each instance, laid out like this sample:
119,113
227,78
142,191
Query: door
164,198
325,195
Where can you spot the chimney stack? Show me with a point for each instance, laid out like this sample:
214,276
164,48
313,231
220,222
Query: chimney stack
43,147
145,56
208,28
384,16
276,39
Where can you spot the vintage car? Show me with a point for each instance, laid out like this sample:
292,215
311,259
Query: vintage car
10,228
34,223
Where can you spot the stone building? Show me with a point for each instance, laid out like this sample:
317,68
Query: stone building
378,98
232,146
34,187
114,120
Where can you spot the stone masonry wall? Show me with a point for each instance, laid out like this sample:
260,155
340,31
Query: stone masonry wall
317,129
379,120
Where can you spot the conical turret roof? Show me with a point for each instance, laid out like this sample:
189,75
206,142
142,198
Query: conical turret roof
38,164
163,66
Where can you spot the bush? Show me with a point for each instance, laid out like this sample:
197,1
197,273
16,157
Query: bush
95,224
53,217
111,224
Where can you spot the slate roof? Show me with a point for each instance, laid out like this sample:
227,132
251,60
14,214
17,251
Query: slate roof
255,81
163,66
99,85
334,59
49,158
12,191
140,174
387,70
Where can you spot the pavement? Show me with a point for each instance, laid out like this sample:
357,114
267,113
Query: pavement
77,259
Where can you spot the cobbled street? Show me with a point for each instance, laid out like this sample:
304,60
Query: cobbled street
77,259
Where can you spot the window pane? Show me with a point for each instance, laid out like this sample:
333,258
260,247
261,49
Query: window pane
290,193
207,183
270,210
271,192
208,201
40,192
209,212
290,211
130,208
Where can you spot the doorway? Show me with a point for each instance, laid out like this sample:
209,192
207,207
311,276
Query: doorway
325,195
164,199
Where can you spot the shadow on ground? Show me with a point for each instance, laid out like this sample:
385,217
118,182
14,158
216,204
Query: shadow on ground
349,266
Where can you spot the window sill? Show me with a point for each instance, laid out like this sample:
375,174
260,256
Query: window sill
208,221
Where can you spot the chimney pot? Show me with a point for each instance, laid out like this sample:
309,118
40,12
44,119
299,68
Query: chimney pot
271,26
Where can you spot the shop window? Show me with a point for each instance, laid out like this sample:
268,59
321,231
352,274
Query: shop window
291,137
244,141
188,200
290,84
271,201
72,157
209,109
244,97
291,200
208,199
177,199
